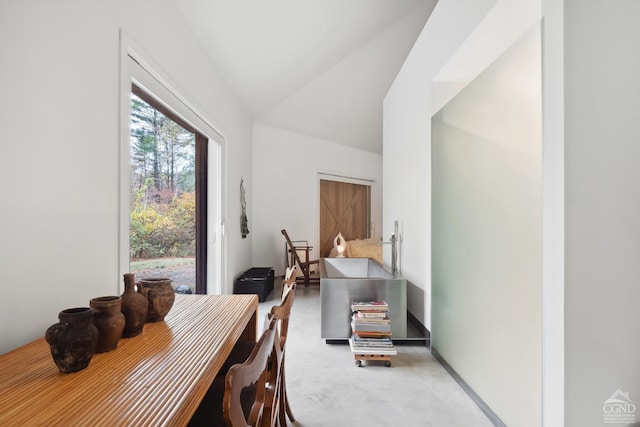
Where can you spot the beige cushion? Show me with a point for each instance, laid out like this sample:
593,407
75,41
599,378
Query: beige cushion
365,248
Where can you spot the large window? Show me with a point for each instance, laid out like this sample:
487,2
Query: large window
171,162
167,195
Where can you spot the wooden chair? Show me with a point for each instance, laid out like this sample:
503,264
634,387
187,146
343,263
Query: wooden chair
272,403
277,406
243,349
252,377
295,258
282,312
277,402
288,279
239,398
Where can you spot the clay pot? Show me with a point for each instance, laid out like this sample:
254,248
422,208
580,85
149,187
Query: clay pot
160,295
73,340
134,307
109,320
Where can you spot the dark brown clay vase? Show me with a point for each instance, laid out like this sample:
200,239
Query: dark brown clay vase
108,318
73,340
134,307
161,296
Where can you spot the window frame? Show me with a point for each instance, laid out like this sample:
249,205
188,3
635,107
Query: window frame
201,181
136,68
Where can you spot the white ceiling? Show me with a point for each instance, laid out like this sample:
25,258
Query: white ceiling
315,67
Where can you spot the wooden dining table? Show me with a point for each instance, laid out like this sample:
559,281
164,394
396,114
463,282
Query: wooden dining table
157,378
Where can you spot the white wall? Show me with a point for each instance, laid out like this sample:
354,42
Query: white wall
286,188
487,233
602,65
553,319
59,112
406,144
407,128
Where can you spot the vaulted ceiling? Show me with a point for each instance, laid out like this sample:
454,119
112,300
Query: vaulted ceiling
315,67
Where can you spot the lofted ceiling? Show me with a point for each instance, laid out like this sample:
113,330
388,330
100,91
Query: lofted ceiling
316,67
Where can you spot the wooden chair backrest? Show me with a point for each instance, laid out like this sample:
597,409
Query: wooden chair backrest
276,394
282,312
254,372
292,249
290,275
271,413
277,404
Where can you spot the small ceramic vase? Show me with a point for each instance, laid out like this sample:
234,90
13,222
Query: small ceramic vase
340,245
134,307
109,320
73,340
160,295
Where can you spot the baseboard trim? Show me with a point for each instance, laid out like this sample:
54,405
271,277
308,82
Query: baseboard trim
472,394
425,335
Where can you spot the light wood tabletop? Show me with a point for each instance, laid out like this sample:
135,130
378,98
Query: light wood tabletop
157,378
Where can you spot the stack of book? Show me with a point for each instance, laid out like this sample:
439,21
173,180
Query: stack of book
371,329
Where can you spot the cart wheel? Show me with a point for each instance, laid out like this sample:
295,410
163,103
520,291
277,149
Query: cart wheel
387,364
358,363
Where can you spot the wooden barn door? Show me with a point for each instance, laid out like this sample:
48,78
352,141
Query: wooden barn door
344,208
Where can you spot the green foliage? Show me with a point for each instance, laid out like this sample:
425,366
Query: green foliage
161,149
161,230
162,222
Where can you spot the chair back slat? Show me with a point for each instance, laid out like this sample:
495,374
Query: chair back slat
271,413
254,373
282,312
276,400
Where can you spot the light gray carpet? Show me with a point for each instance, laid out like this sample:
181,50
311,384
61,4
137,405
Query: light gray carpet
326,388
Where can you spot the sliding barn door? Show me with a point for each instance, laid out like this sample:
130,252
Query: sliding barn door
344,208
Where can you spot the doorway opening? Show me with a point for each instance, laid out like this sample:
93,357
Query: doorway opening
167,196
345,207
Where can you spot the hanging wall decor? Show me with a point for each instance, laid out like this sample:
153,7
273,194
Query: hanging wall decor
244,222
